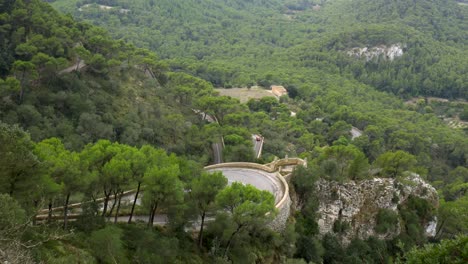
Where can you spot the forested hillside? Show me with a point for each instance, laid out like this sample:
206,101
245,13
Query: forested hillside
121,94
240,43
92,111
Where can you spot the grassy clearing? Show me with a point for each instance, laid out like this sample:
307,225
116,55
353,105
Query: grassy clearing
244,94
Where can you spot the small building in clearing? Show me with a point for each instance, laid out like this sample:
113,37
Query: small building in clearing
278,90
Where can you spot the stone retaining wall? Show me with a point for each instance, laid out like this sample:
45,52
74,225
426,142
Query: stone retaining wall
283,206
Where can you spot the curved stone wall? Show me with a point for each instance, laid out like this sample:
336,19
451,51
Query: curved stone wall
277,164
283,206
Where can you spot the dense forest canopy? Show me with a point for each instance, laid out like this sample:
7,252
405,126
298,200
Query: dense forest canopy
118,100
238,43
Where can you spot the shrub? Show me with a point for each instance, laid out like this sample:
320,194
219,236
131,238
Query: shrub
386,221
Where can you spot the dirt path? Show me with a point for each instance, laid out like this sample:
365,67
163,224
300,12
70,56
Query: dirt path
75,67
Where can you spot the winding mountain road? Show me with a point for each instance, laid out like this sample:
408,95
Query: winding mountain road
257,141
75,67
217,152
259,179
355,132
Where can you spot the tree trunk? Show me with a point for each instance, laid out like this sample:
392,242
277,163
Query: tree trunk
13,184
118,208
106,202
439,231
200,234
152,214
134,203
230,240
65,212
113,204
21,95
36,203
49,214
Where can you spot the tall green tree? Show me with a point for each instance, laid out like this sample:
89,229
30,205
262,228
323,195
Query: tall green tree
246,207
96,157
66,168
13,225
107,245
9,85
453,218
116,175
203,192
447,251
18,162
138,165
25,72
163,189
395,163
344,162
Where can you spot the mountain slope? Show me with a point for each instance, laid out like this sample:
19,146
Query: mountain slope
114,96
237,43
129,95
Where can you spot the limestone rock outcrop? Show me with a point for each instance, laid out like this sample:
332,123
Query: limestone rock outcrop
357,204
388,52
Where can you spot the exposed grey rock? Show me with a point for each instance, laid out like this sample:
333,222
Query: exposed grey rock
357,204
389,52
431,228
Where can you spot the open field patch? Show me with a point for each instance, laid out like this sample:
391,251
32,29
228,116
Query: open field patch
244,94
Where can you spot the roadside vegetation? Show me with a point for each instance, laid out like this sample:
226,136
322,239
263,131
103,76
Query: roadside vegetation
130,119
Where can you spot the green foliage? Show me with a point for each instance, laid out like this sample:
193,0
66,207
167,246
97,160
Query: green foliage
113,97
334,252
464,114
65,169
11,216
90,219
310,249
247,211
129,95
13,222
386,221
453,217
371,250
308,245
245,203
414,214
151,247
303,180
204,190
340,227
447,251
343,162
431,34
163,189
18,162
107,245
395,163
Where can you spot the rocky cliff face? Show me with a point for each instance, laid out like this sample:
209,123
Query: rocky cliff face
356,204
388,52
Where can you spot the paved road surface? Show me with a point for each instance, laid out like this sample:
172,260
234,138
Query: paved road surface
261,180
258,145
76,66
218,152
355,132
159,219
